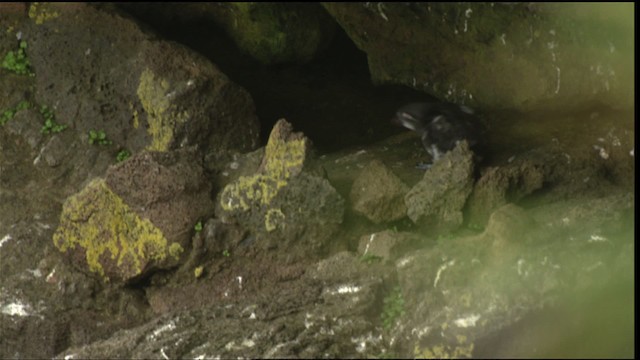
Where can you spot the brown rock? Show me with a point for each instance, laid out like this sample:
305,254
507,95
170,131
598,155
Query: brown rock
378,194
438,199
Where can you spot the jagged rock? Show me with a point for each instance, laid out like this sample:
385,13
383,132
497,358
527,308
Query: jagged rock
378,194
283,202
499,185
136,220
561,171
439,198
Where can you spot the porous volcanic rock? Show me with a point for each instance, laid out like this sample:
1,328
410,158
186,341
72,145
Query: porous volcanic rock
284,202
138,219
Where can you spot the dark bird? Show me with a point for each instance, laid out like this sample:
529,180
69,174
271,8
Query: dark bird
441,126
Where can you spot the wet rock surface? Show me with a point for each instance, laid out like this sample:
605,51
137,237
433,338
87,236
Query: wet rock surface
538,254
513,246
469,53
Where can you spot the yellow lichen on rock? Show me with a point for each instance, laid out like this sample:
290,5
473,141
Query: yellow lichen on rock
162,115
247,190
197,272
273,219
175,250
113,238
135,116
284,158
40,12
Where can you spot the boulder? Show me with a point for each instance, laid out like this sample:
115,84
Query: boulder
144,93
500,185
137,220
519,56
276,33
271,33
284,202
438,199
378,194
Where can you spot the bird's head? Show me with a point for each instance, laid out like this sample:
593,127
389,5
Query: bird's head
412,116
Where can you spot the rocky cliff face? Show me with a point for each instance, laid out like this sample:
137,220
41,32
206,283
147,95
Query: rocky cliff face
222,180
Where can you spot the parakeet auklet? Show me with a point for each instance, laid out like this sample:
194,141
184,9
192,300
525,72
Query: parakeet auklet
441,126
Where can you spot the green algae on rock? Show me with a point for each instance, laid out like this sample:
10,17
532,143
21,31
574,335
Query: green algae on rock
276,33
104,235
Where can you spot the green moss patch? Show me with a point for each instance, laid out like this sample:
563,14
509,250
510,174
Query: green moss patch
17,61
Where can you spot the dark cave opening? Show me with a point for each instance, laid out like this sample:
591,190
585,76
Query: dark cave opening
331,99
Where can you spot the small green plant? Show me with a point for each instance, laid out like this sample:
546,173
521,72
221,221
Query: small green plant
226,253
198,226
50,125
10,113
123,155
6,116
370,258
393,308
16,61
98,137
23,105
